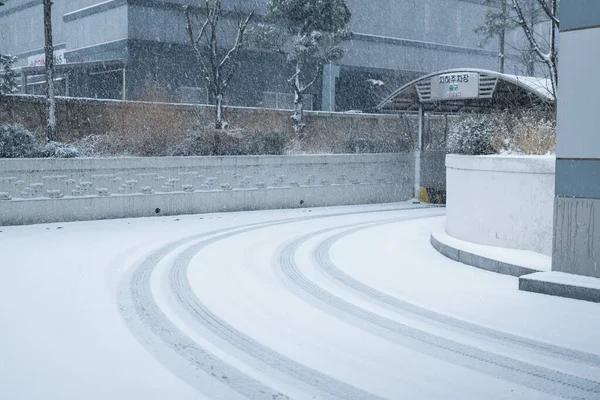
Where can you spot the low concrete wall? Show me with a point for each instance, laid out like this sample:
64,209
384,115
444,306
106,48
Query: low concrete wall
52,190
501,201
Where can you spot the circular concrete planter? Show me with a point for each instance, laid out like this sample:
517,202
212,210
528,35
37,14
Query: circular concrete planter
504,201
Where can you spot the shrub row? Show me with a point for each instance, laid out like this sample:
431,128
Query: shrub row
517,132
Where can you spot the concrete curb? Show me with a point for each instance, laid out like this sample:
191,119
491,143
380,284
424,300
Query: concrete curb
530,280
478,261
537,283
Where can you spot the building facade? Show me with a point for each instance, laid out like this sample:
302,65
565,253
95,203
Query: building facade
138,49
577,202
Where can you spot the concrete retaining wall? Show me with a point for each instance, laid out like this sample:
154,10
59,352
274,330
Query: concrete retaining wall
501,201
52,190
79,117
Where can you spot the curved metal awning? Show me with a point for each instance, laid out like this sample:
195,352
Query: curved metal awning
469,89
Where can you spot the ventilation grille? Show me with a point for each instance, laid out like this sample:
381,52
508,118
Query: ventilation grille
424,90
487,85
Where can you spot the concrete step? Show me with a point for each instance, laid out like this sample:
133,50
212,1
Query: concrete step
562,284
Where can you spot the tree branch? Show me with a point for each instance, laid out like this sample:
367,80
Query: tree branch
239,40
292,80
549,12
312,82
548,58
528,33
189,29
195,42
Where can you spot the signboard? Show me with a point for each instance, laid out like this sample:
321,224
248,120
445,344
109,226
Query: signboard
39,60
455,86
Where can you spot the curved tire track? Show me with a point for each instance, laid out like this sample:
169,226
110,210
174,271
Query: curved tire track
177,351
308,379
154,329
498,366
324,262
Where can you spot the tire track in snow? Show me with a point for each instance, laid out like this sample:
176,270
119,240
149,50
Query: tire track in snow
323,260
307,379
153,329
532,376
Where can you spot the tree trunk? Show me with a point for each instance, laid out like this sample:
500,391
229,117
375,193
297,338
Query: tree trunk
219,112
49,53
531,60
502,54
554,55
298,115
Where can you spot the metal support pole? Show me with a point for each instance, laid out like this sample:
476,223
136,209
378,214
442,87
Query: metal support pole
49,52
23,83
418,149
124,91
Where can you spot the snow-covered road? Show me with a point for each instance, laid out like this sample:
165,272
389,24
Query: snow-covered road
331,303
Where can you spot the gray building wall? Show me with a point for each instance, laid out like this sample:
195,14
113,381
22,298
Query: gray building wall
394,41
22,28
577,204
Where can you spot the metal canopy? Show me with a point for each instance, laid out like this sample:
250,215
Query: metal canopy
464,90
468,89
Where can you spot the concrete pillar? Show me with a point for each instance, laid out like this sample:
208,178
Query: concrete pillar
576,247
330,73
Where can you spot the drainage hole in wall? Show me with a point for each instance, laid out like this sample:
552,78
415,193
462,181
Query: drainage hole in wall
157,211
301,202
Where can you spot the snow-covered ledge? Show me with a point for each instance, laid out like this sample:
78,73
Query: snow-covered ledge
504,201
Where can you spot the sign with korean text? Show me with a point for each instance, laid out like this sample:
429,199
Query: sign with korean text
455,86
39,60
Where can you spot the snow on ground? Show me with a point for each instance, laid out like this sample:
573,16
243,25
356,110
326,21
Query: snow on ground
330,303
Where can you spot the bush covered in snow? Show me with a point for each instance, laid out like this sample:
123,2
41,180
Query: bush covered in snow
17,142
223,142
99,146
472,135
511,132
59,150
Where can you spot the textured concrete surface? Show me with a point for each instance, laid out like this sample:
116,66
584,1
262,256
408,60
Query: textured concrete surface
577,236
52,190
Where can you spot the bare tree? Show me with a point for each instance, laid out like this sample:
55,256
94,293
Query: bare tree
549,58
49,52
218,66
